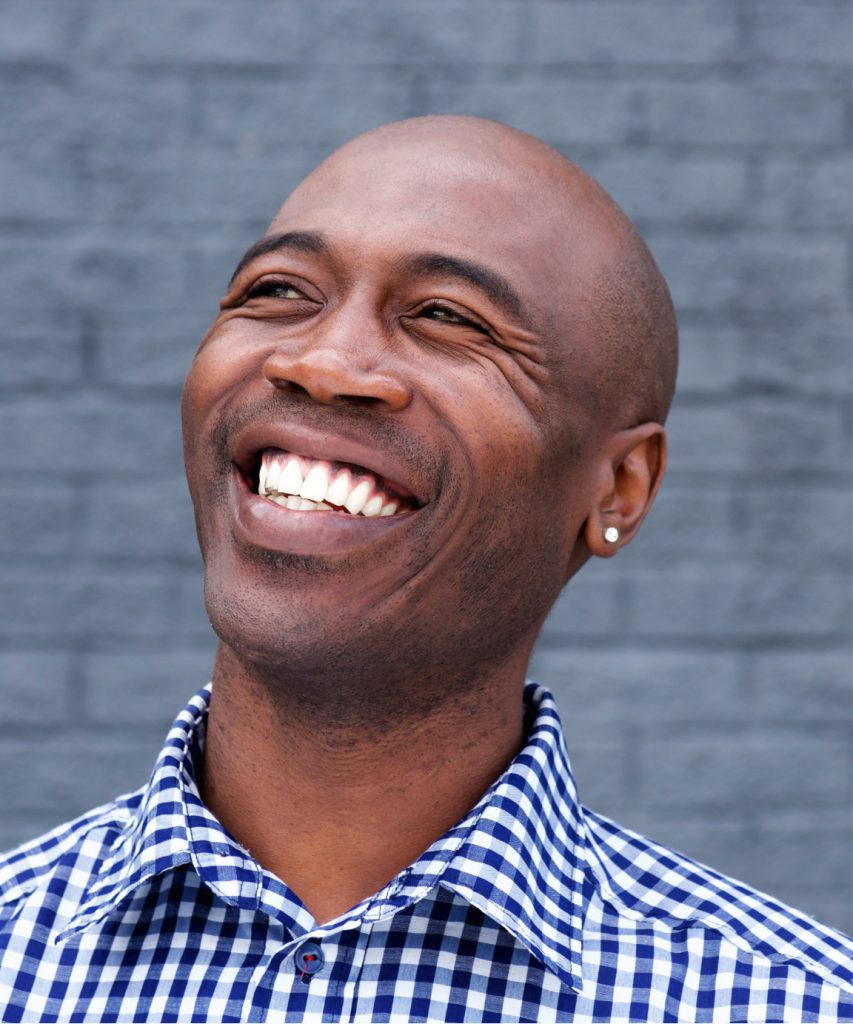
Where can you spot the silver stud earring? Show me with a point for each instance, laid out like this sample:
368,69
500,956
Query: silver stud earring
611,535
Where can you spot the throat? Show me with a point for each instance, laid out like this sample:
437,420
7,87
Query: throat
337,814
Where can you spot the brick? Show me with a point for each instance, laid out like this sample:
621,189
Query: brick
801,528
600,767
721,843
788,864
806,817
558,109
800,686
591,605
16,829
143,690
145,520
681,189
626,33
709,357
703,439
143,114
628,688
257,113
742,114
758,436
85,433
824,77
213,263
429,33
809,354
192,624
130,352
207,194
95,274
35,31
35,360
34,191
811,192
260,34
82,604
39,519
40,323
794,851
749,271
686,527
761,772
787,436
724,842
792,33
74,772
741,606
35,688
37,112
810,859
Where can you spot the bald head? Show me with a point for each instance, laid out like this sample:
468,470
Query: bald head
623,314
465,319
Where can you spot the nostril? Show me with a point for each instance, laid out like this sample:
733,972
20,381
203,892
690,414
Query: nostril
356,400
289,385
329,378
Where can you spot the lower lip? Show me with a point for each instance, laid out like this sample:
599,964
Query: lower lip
264,524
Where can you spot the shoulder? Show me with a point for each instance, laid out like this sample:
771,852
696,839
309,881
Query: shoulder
647,884
65,859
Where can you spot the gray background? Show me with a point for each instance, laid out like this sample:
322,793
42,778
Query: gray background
704,674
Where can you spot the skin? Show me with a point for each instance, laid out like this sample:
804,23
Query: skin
367,685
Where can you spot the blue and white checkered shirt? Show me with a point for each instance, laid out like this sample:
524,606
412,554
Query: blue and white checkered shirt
530,909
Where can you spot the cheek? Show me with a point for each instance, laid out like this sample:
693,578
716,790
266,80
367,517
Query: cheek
533,490
489,416
205,380
190,399
220,365
204,387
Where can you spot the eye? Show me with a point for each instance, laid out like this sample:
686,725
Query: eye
444,314
274,290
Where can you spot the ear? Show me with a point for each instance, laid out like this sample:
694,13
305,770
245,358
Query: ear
632,464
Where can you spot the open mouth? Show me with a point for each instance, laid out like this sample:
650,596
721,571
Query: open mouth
303,484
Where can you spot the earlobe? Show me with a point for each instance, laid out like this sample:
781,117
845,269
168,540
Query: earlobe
632,467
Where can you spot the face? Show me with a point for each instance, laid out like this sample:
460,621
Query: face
392,350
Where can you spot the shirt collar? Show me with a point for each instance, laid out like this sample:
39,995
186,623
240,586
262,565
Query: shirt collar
168,827
518,856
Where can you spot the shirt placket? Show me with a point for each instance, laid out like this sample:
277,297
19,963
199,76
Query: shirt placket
312,976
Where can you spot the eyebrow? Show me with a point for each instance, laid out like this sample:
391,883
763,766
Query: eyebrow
493,285
299,241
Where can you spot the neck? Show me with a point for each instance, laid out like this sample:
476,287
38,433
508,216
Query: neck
337,804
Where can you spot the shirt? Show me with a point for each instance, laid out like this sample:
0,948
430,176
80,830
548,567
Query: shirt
531,908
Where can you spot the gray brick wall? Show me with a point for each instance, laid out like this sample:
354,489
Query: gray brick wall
705,674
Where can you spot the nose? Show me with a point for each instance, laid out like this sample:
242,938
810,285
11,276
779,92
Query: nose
334,365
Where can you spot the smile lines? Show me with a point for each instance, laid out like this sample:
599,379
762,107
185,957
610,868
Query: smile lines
315,485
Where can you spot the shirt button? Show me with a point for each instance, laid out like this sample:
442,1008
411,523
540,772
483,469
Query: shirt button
309,960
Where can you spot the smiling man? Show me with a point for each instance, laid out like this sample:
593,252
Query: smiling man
435,388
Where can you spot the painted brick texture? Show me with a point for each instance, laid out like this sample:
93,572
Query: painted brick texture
704,674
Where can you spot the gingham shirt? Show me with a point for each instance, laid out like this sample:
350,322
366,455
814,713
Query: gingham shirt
530,909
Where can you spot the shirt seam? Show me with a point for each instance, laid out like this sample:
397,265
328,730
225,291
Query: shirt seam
609,896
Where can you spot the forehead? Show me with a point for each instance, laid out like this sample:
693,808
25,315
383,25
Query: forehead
385,202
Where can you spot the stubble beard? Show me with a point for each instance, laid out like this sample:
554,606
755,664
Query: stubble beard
401,660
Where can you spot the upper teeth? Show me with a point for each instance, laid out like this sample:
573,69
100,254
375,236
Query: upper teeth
305,484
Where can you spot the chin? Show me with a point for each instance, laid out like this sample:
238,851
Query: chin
300,629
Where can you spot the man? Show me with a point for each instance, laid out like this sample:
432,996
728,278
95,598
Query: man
434,390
